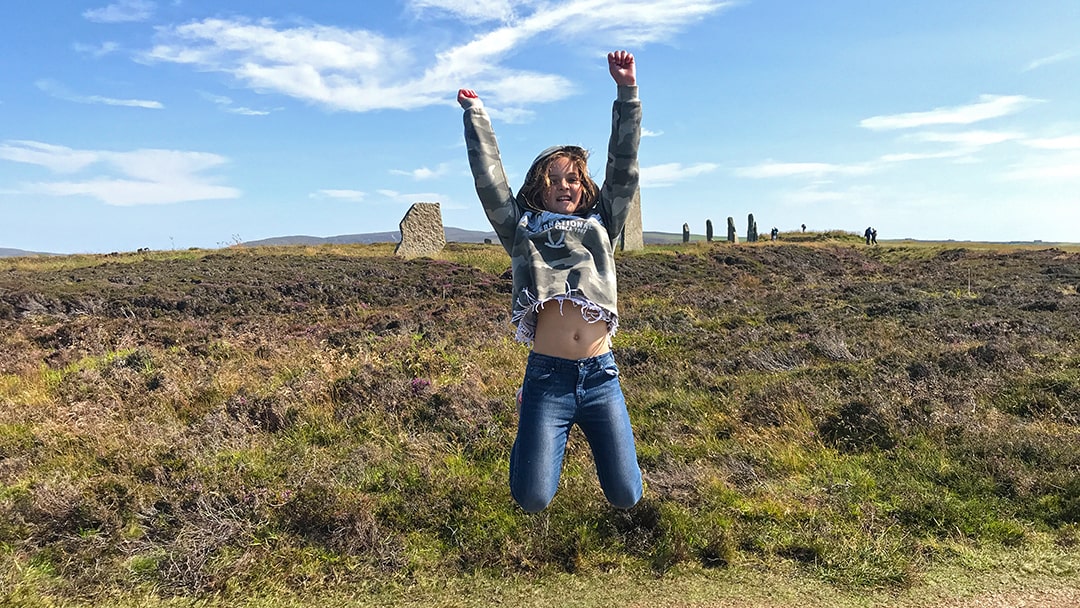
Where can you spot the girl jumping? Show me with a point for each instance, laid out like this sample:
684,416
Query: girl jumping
560,231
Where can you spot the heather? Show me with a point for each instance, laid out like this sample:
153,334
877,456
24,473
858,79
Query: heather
297,421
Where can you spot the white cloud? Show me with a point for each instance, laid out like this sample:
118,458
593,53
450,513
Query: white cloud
1068,171
121,12
139,177
511,115
809,196
648,133
57,90
974,139
58,159
912,156
467,10
659,176
101,50
1064,167
1066,142
360,70
409,199
423,172
345,195
1055,58
988,106
773,169
227,104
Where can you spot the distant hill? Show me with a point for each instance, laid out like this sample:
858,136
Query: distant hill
14,253
453,235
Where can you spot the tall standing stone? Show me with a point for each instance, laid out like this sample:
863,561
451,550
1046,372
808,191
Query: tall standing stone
751,229
731,238
632,237
422,232
686,233
708,230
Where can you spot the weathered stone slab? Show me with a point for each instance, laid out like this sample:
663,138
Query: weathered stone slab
422,232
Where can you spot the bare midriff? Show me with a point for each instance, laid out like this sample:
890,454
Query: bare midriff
561,331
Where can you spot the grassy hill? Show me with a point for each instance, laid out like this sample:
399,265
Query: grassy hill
253,426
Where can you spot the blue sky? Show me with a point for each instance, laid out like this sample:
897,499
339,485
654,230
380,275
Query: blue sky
179,123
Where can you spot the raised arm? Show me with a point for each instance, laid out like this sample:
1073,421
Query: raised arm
621,174
492,186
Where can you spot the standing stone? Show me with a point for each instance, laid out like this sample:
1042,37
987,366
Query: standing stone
708,230
731,238
751,229
422,232
632,237
686,233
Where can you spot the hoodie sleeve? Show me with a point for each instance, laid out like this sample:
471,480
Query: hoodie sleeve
621,176
492,185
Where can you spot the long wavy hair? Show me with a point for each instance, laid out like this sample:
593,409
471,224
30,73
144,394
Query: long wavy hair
537,180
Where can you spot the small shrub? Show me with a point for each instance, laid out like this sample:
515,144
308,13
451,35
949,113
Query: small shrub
857,426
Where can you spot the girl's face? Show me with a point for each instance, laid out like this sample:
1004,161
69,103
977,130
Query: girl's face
564,193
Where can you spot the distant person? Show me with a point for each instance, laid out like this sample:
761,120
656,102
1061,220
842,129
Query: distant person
774,233
873,236
869,232
804,227
559,231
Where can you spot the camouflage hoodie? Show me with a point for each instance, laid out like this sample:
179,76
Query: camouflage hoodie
556,256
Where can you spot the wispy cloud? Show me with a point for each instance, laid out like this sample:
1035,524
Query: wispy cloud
902,157
58,159
659,176
811,195
988,106
973,139
446,203
122,11
55,89
227,104
96,51
424,173
648,133
1057,170
1064,142
360,70
138,177
409,198
1055,58
771,169
344,195
477,11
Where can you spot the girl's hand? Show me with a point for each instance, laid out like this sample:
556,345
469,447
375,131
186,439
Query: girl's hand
464,94
622,67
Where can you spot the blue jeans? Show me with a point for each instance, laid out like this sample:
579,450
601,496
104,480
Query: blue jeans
556,395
